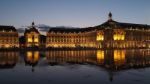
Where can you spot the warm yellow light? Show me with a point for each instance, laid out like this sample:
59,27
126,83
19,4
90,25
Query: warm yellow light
100,56
72,45
61,45
55,45
33,56
119,37
122,37
7,45
100,36
115,37
29,39
36,40
119,57
29,55
36,56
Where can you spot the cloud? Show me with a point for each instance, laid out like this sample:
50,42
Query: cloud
41,27
21,30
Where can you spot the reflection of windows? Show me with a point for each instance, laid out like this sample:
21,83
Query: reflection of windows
32,56
100,36
119,57
100,56
119,35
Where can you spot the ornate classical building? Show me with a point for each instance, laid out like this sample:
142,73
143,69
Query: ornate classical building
9,37
110,34
71,38
124,35
32,37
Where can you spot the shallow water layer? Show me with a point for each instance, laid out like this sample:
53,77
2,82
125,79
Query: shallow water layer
75,67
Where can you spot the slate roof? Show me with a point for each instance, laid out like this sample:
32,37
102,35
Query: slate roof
7,28
113,24
70,30
109,23
32,29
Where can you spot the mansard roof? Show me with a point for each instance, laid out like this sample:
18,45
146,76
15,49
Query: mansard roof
110,23
69,30
115,24
7,28
32,29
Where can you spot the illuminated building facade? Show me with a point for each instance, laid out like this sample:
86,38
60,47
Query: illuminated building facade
110,34
70,38
32,37
9,37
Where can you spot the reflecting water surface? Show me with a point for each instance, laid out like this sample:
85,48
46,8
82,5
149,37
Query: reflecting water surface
75,67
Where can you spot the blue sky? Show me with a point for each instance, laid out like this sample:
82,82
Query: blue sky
76,13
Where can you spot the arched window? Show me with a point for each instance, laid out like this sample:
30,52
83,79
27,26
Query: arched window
100,36
119,34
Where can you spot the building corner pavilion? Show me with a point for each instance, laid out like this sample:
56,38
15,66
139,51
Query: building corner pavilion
32,37
9,37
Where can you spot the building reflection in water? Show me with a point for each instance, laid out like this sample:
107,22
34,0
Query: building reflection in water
32,58
110,59
73,57
100,56
138,58
76,57
8,59
119,57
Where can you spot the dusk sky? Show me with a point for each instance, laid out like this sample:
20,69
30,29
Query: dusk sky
76,13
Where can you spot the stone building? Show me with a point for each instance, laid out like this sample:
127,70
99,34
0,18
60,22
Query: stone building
70,38
110,34
9,37
124,35
32,37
